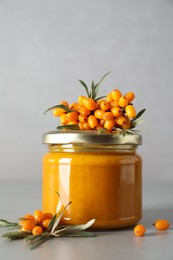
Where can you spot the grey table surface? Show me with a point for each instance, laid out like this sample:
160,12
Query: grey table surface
19,197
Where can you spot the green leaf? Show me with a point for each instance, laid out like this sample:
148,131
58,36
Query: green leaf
68,127
15,235
5,223
57,220
65,108
79,234
139,114
85,86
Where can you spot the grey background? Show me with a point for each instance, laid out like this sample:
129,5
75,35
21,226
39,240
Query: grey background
47,45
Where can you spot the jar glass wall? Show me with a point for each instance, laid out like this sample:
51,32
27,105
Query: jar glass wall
103,181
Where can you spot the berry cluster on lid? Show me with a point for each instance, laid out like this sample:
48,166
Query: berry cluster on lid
110,113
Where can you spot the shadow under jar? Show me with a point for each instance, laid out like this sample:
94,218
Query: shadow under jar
100,173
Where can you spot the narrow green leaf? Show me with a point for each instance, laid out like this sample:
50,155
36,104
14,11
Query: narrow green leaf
59,218
99,98
79,234
65,108
135,123
5,223
139,114
68,127
15,235
86,88
59,204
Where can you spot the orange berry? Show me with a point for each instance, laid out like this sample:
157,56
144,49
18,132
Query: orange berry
116,94
100,126
48,215
108,116
82,118
99,113
104,105
90,104
80,100
63,119
121,120
130,111
58,112
92,121
74,106
109,97
116,111
109,124
72,116
123,101
113,104
65,103
130,96
84,111
28,216
45,223
86,126
139,230
28,225
81,125
37,231
162,224
127,124
38,216
72,123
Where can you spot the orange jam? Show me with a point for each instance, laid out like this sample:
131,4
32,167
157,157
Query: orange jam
99,173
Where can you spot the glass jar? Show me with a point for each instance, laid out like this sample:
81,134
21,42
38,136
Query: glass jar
99,173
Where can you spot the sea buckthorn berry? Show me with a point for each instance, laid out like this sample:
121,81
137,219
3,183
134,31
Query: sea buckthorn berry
109,124
116,94
37,231
38,216
48,215
123,101
63,119
104,105
65,103
92,121
84,111
98,103
108,116
45,223
73,123
162,224
90,104
82,118
80,100
109,98
140,230
130,111
130,96
74,106
113,104
28,216
58,112
99,113
100,126
116,111
28,225
86,126
121,120
81,125
127,124
72,116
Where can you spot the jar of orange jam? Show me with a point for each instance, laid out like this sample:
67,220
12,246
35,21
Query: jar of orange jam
100,173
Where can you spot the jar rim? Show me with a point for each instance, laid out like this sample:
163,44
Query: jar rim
92,137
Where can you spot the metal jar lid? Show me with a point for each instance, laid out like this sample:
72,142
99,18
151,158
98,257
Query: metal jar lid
90,137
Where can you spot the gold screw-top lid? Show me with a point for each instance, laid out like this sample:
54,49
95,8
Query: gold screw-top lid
90,137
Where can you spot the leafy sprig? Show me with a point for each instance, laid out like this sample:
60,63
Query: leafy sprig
53,230
94,90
